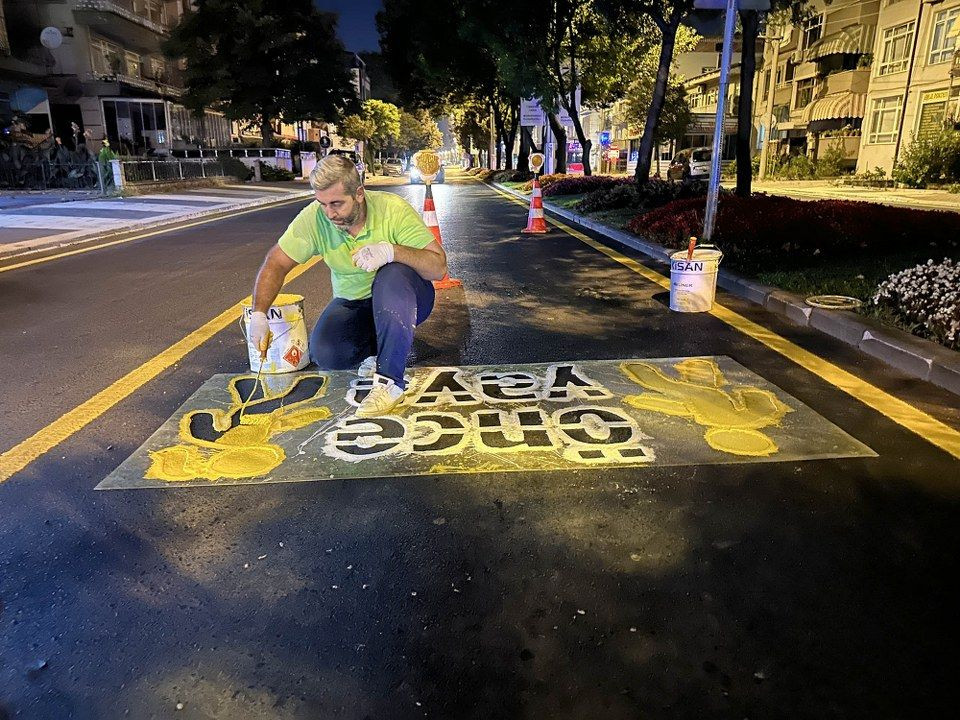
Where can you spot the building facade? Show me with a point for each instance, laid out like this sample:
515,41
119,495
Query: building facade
813,81
914,88
100,74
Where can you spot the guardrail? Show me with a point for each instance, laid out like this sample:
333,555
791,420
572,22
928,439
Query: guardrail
233,152
145,171
58,175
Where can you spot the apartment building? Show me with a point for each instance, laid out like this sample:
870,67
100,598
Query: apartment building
915,78
819,81
104,72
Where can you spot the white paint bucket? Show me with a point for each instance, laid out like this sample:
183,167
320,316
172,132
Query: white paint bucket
288,350
693,282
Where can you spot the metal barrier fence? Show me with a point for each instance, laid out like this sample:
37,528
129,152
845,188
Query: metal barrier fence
232,152
146,171
46,175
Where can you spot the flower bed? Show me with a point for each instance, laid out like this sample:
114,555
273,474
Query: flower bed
626,193
925,298
579,184
766,231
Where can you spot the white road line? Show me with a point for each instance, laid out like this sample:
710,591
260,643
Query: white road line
59,222
123,205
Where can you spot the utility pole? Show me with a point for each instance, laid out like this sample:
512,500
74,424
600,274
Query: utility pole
492,154
713,191
768,136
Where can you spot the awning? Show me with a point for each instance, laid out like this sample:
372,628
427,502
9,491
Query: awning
703,124
839,105
852,40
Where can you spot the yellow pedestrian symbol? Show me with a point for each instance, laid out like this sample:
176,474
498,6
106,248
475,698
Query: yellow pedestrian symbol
218,443
733,415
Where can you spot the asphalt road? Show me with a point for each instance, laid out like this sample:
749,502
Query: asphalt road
815,589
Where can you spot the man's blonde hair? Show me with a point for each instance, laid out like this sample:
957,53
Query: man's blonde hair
333,169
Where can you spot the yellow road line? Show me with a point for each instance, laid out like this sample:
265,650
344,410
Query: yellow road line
18,457
916,421
141,236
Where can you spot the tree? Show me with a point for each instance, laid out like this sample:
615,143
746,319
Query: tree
666,16
781,12
418,131
386,119
675,114
261,61
357,128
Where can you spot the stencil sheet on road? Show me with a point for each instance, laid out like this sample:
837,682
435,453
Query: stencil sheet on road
493,418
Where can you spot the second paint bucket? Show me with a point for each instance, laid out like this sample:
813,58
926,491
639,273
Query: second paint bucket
288,345
693,281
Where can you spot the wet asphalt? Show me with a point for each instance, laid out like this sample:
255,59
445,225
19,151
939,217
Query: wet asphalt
814,589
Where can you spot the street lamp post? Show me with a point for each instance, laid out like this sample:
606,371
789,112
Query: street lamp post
765,151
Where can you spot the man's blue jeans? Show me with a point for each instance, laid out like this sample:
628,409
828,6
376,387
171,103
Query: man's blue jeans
349,331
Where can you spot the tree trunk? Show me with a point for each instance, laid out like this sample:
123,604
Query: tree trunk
266,132
750,22
523,159
498,131
526,146
512,133
667,42
560,136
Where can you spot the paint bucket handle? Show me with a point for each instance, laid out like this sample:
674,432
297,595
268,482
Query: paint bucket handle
711,246
273,338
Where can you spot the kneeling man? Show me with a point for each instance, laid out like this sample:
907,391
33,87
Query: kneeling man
382,259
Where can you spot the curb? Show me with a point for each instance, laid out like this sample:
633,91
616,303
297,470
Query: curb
152,224
914,356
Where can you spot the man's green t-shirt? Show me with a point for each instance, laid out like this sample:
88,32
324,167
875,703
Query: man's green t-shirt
390,219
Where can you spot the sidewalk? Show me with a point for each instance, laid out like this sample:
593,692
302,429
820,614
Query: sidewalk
919,358
825,190
32,222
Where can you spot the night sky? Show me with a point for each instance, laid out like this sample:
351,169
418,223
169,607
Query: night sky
357,28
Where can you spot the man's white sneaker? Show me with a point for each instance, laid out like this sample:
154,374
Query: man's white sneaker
368,367
383,397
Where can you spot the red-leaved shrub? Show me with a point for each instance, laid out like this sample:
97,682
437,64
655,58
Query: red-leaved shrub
577,184
752,230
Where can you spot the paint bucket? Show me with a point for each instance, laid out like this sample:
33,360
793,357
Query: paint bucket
288,347
693,282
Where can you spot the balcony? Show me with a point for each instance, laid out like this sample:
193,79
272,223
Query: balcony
855,81
154,87
118,21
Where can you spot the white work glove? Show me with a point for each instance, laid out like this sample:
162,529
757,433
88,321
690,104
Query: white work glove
258,331
373,257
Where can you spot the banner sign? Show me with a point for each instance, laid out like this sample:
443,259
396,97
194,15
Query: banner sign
531,114
568,415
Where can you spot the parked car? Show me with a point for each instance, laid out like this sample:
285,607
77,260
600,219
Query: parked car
393,167
416,178
691,164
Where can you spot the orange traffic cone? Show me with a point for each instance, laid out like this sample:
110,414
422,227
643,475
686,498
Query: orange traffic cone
535,221
430,219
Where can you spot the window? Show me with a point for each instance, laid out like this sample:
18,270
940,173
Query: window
788,70
941,44
779,75
897,42
884,118
132,63
106,58
812,31
157,70
804,92
766,83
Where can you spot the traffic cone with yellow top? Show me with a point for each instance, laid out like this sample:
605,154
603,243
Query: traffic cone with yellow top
536,223
428,164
